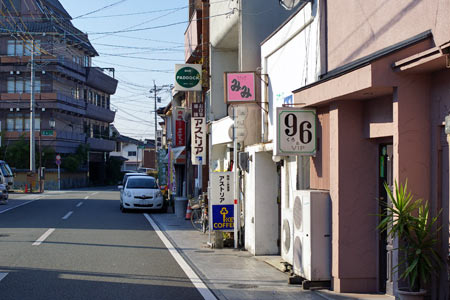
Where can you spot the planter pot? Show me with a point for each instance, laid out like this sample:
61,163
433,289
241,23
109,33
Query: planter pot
405,295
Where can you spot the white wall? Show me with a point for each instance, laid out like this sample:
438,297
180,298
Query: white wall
131,159
261,208
291,57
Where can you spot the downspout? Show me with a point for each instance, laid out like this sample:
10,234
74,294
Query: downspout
264,71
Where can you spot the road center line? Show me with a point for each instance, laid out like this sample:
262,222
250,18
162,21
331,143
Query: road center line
87,197
43,237
2,276
193,277
79,204
67,215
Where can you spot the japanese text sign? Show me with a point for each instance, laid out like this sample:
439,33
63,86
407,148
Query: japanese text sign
180,126
295,132
222,203
240,87
198,110
198,138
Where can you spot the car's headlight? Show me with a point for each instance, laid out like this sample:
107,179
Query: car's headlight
158,194
128,194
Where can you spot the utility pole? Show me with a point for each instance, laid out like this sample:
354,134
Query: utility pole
155,91
32,112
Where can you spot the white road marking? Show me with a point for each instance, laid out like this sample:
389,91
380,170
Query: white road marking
2,276
196,281
94,193
67,215
79,204
43,237
22,204
87,197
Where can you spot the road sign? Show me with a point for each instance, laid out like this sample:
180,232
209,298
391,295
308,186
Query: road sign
295,132
58,159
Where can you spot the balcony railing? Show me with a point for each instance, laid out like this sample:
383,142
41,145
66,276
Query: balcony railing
101,145
100,113
99,80
192,39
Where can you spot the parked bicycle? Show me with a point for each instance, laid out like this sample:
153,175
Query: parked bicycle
199,216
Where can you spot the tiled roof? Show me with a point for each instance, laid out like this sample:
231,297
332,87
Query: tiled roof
57,5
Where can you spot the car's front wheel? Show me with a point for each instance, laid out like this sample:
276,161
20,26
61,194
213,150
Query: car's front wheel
123,209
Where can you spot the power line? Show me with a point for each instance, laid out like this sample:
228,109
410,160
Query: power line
100,9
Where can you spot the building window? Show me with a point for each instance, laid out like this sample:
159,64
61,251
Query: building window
118,147
10,123
19,85
21,122
23,48
131,153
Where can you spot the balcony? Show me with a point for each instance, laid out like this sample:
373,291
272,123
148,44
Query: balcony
99,80
101,145
99,113
44,100
192,38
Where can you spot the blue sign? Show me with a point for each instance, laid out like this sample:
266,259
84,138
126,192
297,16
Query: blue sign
289,100
223,217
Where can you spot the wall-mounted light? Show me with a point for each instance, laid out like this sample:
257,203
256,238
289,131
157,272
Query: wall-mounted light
11,72
17,72
52,123
11,109
290,4
17,109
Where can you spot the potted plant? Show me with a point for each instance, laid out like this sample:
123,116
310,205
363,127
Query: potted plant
409,220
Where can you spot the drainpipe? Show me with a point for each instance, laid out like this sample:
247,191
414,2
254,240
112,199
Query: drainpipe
281,45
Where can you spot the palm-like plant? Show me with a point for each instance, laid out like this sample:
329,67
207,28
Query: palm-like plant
409,220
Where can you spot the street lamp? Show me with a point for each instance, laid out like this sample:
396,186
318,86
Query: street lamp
52,123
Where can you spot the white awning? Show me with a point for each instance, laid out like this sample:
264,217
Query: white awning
176,152
220,131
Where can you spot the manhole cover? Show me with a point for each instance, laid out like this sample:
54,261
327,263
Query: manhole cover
243,286
204,251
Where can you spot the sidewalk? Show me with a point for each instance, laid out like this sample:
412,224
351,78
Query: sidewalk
232,274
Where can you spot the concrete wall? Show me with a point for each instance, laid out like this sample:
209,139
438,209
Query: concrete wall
377,24
68,180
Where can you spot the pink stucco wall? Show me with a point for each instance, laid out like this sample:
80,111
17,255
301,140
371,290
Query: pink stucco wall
353,190
320,164
357,28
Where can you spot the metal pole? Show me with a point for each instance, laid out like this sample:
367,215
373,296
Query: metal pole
235,188
32,142
59,177
156,99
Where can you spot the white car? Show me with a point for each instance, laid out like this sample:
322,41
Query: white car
140,192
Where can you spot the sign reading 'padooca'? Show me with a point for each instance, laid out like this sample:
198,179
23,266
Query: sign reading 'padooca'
188,77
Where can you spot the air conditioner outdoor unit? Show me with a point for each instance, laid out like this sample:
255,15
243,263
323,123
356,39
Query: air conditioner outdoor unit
312,235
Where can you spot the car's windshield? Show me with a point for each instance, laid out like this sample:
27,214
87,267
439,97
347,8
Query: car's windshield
141,183
6,171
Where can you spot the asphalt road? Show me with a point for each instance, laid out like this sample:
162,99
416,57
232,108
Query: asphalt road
90,250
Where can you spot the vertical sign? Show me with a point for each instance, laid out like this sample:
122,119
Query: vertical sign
180,127
240,87
198,134
222,204
295,132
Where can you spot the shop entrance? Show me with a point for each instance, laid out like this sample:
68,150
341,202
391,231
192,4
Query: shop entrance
386,245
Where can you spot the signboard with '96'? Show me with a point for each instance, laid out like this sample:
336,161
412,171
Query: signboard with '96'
295,132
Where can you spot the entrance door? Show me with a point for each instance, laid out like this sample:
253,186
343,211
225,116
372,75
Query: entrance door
386,246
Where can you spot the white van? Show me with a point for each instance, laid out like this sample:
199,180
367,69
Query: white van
6,175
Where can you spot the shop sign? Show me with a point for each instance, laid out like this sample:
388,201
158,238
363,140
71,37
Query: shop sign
198,138
295,132
198,110
222,204
188,77
180,127
240,87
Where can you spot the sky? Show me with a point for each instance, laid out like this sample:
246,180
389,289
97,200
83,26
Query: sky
138,56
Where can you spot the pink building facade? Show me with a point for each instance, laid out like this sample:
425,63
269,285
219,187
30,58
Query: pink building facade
381,112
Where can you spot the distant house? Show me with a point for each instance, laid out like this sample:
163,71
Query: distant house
131,151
